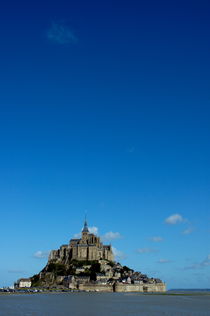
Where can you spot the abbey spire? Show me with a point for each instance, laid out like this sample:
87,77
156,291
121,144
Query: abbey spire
85,228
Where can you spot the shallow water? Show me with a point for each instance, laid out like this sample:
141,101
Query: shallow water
103,304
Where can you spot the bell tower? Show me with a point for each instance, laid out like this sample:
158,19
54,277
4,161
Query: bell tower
85,231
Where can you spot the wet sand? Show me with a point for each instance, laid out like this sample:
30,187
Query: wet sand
106,304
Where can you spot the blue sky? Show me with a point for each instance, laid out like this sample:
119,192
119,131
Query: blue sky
104,109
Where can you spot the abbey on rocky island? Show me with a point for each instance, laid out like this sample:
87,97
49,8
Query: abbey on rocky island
85,264
87,248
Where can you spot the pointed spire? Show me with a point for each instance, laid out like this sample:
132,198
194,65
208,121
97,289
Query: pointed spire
85,228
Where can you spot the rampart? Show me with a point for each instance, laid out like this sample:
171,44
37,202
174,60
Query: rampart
96,287
120,287
158,287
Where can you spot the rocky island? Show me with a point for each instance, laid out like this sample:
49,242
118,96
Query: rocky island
88,265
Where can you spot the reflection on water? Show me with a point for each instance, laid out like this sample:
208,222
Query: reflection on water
104,304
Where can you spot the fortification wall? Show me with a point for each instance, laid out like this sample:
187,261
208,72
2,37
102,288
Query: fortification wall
159,287
96,287
119,287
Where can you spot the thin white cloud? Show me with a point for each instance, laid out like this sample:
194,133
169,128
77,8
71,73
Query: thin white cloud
41,254
60,33
188,231
93,230
164,261
118,254
174,219
206,262
146,250
156,239
203,264
77,236
109,236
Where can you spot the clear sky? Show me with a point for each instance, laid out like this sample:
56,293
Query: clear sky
104,109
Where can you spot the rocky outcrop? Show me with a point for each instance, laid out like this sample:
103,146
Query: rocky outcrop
101,275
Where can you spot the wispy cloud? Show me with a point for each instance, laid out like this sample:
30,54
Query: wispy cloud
109,236
77,236
203,264
156,239
174,219
164,261
118,254
93,230
146,250
188,231
41,254
60,33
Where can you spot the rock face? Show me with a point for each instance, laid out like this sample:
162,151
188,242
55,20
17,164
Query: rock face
87,264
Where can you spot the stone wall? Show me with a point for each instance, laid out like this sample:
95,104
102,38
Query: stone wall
158,287
120,287
96,287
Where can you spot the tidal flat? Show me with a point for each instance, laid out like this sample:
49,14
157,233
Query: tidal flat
106,304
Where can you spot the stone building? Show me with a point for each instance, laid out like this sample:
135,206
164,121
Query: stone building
87,248
22,283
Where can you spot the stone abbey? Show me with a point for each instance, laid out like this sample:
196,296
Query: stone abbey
87,248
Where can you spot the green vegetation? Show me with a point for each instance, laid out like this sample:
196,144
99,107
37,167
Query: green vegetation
35,281
70,271
57,269
111,263
95,267
126,269
81,263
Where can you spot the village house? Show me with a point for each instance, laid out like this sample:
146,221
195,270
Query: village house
24,283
